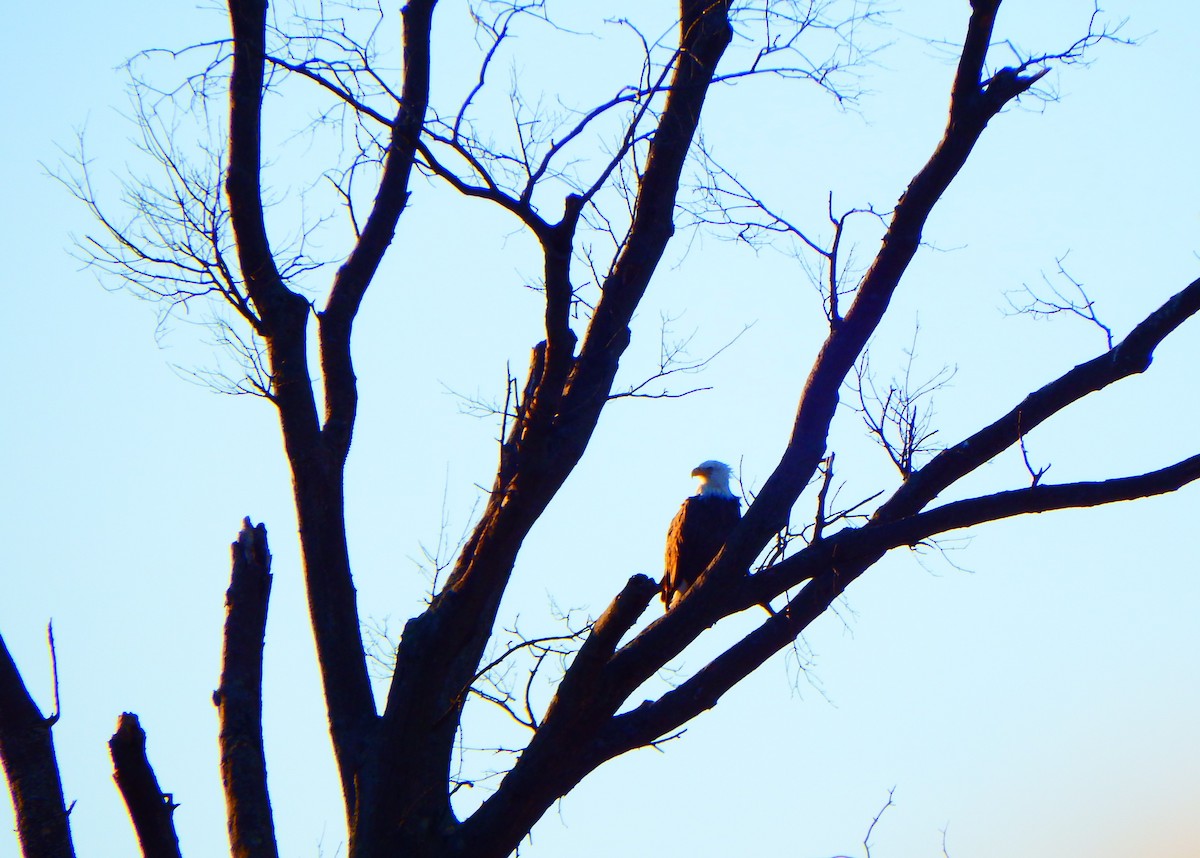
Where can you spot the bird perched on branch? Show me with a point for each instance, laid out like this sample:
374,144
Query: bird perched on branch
699,530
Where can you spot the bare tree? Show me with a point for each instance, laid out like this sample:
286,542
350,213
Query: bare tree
602,223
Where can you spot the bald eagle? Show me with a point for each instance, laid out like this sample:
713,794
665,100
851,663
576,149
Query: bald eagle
699,530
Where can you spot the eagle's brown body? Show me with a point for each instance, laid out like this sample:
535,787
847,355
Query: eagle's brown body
698,531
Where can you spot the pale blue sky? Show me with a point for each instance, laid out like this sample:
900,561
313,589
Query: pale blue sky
1037,697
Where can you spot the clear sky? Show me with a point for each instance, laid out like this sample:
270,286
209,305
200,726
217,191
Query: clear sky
1035,692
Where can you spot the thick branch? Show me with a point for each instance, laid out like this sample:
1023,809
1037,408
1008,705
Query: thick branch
150,808
353,278
27,752
317,464
1133,355
970,111
700,692
456,628
239,699
578,688
243,183
975,48
1033,499
832,566
554,762
705,32
973,102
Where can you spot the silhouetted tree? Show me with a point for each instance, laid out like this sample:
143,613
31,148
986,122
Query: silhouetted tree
206,231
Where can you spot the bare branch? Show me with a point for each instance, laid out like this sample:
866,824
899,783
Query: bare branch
284,314
829,566
150,808
871,828
900,420
1078,304
866,841
307,69
540,648
1132,356
53,719
673,360
31,768
1040,497
974,101
239,698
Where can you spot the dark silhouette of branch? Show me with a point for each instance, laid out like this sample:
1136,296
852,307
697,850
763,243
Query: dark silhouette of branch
871,828
149,807
830,567
30,765
285,316
239,698
866,841
541,648
1133,355
439,651
1078,304
673,360
901,419
974,100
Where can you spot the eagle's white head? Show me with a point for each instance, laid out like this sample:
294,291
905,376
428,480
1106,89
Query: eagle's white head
714,478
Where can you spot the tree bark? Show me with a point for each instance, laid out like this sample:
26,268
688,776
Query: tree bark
149,807
27,751
239,699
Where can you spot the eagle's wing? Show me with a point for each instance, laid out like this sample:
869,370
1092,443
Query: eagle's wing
695,536
674,576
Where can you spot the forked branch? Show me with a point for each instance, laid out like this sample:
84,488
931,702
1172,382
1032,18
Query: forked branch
30,765
974,100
